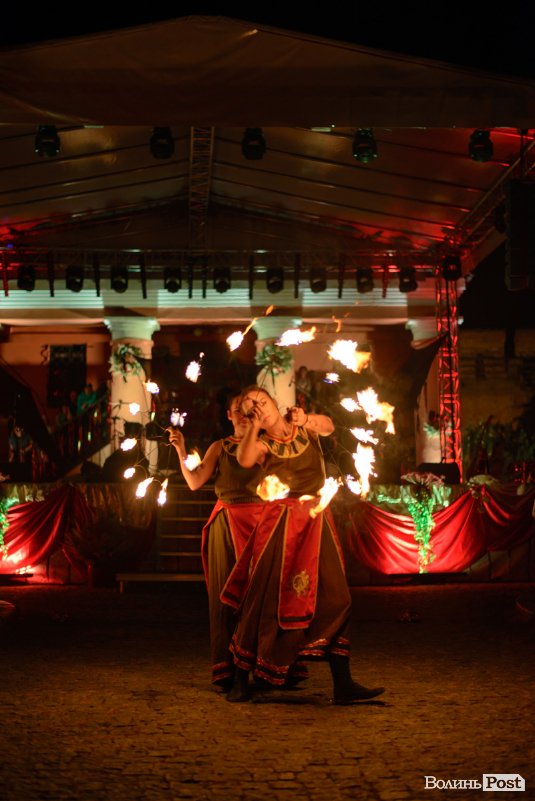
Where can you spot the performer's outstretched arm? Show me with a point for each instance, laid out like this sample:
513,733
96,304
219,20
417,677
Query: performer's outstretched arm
199,476
318,423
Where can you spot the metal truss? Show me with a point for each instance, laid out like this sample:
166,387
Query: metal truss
200,179
448,371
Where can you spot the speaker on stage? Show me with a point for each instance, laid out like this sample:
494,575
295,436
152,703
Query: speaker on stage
449,471
520,231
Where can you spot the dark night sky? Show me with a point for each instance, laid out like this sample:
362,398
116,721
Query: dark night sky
463,33
466,34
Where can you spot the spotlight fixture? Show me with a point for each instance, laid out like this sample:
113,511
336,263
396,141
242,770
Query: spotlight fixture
74,278
162,144
221,279
274,279
47,141
364,145
407,279
364,280
451,268
480,146
253,144
119,279
26,277
318,279
172,279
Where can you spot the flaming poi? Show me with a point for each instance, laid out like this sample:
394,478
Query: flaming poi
376,410
364,458
325,495
296,336
271,488
142,487
128,444
193,370
192,461
345,351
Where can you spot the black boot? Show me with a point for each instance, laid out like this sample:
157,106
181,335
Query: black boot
345,690
240,687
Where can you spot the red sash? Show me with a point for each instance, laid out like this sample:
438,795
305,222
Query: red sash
241,519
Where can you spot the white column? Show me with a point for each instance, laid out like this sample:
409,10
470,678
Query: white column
130,388
282,386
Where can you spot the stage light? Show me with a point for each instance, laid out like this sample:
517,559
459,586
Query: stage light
274,279
451,268
364,280
407,279
26,277
221,279
253,144
480,146
74,278
47,141
119,279
162,144
364,145
318,279
172,279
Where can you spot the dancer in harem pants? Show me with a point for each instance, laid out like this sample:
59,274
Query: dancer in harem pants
289,582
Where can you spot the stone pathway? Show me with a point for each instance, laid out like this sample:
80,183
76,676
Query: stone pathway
106,697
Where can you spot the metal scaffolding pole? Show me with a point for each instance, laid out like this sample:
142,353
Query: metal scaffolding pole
448,371
200,178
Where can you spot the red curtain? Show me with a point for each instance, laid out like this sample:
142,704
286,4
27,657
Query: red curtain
37,529
488,520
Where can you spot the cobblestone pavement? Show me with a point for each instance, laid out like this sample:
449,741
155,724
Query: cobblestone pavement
106,697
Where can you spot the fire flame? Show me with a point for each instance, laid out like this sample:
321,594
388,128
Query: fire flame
128,444
271,488
141,490
354,485
162,497
129,472
364,435
234,340
349,404
152,387
192,461
345,352
364,457
375,410
176,418
134,408
332,378
295,336
325,494
193,370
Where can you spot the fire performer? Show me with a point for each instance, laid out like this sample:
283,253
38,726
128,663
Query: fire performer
289,583
224,535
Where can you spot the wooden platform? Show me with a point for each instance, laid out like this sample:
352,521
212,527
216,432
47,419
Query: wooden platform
124,578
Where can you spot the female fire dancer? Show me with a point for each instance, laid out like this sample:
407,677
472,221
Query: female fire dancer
223,537
289,582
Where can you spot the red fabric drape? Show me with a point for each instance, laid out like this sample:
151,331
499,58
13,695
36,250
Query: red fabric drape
37,529
489,520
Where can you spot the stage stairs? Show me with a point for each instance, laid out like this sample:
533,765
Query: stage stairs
177,552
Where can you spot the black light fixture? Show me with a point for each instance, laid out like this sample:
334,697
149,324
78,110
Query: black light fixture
451,268
221,279
407,279
480,146
47,142
26,277
318,279
364,145
172,279
253,144
119,279
162,144
274,279
74,278
364,280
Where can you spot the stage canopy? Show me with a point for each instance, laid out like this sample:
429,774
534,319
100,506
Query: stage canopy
209,78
